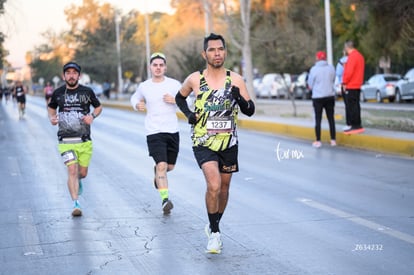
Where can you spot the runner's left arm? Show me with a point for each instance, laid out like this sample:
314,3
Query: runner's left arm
240,94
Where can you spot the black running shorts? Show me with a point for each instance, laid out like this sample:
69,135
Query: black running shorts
227,159
21,99
163,147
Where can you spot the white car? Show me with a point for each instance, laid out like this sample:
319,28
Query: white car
380,86
272,86
405,87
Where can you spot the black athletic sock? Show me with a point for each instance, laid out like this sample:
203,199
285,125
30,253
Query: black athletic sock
214,222
220,215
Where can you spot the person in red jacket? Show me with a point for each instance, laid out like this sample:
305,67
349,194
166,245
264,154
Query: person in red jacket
352,81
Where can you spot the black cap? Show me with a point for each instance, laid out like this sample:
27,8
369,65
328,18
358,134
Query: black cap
72,65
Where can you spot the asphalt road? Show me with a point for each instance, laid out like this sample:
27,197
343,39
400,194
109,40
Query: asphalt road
293,209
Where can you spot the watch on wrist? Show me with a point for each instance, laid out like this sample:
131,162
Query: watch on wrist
93,115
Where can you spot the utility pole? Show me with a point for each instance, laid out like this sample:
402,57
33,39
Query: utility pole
328,31
118,51
147,44
208,26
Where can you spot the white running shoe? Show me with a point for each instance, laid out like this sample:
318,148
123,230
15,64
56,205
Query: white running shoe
347,127
316,144
333,143
207,230
214,243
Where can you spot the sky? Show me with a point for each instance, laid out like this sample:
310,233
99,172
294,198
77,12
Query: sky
25,20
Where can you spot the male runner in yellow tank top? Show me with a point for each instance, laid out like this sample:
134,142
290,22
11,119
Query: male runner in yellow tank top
219,95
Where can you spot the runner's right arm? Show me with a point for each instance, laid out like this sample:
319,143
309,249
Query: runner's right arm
52,116
137,100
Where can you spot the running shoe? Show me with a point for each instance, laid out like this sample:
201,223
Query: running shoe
214,243
333,142
347,127
207,230
167,205
354,130
316,144
80,190
76,212
155,173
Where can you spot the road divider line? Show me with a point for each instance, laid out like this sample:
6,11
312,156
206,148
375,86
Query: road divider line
358,220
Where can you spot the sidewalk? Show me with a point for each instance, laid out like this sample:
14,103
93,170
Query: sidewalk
383,141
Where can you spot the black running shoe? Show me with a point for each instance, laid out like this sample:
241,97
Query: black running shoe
167,205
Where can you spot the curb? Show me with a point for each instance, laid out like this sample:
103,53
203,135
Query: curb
365,141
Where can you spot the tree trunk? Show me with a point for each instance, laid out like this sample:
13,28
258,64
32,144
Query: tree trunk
245,6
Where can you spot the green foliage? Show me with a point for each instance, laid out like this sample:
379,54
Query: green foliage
190,60
285,38
97,51
2,50
379,29
46,69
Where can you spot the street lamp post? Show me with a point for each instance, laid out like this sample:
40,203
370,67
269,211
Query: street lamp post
207,17
118,51
328,31
147,44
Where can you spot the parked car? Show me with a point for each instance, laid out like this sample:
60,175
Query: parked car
96,87
256,86
380,86
405,87
272,85
299,86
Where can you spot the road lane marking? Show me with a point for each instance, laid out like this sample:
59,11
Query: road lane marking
358,220
31,242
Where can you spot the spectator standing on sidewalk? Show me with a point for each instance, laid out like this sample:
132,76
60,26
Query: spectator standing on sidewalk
321,80
339,70
352,81
106,86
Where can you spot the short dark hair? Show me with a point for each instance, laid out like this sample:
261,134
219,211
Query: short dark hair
213,36
349,44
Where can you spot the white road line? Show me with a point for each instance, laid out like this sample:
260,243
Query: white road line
358,220
29,233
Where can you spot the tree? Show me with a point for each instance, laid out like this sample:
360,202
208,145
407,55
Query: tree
46,69
244,44
179,36
3,52
48,58
186,55
380,29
